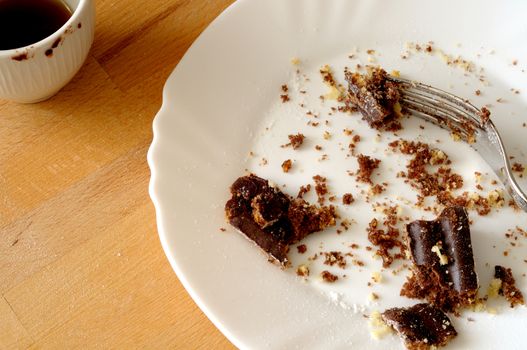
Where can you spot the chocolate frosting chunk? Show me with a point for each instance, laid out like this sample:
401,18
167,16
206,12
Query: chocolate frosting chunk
420,326
373,95
272,219
443,268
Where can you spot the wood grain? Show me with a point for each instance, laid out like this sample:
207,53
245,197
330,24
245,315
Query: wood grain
80,262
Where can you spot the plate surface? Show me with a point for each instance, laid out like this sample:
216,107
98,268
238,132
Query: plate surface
223,101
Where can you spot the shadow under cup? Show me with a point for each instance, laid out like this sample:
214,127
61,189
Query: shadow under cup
38,71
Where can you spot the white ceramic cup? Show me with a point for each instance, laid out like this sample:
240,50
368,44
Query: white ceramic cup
38,71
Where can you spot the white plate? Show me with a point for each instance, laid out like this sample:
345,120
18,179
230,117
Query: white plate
222,101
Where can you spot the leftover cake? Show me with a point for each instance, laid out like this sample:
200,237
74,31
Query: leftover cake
507,285
272,219
443,264
422,326
376,97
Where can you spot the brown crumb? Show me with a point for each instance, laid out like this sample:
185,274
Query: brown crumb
303,190
302,248
358,262
519,168
334,258
223,229
478,92
285,88
377,189
353,144
345,224
285,98
508,286
366,167
484,115
286,165
386,240
328,276
295,141
348,132
321,188
439,181
347,199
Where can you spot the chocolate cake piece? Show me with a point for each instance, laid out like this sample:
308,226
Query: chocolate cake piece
374,95
443,270
508,286
270,218
421,326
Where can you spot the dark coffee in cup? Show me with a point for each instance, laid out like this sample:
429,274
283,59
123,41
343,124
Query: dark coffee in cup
25,22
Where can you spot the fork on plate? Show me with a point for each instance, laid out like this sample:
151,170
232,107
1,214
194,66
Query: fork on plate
462,118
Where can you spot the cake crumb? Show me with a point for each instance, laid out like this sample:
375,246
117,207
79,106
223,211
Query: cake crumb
295,141
286,165
303,190
508,286
302,271
334,258
519,168
373,296
347,199
378,328
328,276
494,288
321,188
443,259
386,240
376,277
367,165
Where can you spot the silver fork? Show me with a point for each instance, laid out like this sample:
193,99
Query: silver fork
460,116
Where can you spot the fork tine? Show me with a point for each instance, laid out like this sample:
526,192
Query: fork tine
435,116
442,105
456,114
446,112
456,100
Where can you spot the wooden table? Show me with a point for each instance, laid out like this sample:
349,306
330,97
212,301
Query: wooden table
81,265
